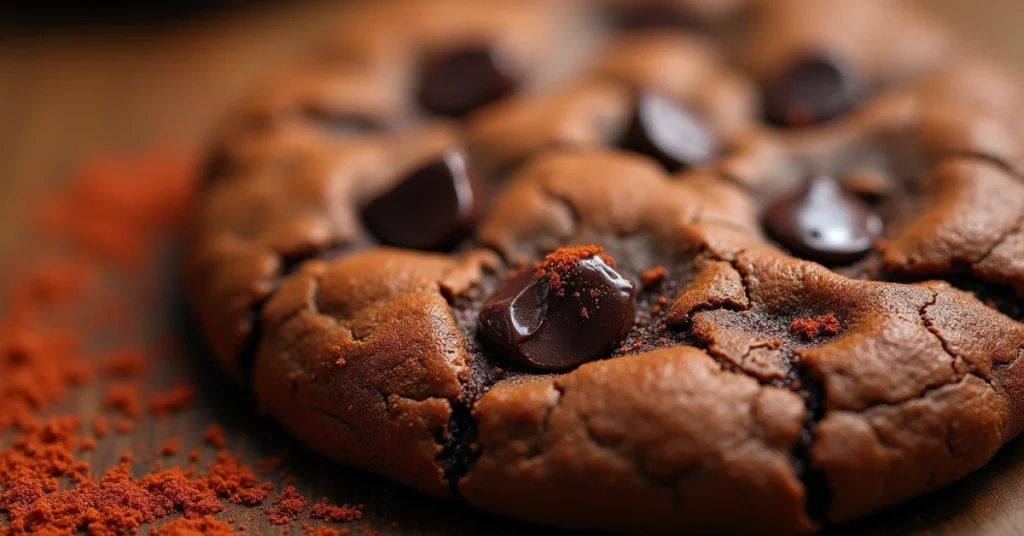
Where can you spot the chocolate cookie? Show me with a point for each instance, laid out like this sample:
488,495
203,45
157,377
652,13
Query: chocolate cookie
594,268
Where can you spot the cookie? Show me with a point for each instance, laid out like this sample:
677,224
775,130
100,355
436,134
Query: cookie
592,268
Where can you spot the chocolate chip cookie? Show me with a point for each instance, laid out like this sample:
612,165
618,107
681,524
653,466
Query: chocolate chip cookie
627,265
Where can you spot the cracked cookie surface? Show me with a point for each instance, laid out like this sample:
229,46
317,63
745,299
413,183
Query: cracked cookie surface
747,252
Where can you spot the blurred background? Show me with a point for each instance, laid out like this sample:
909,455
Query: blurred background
115,75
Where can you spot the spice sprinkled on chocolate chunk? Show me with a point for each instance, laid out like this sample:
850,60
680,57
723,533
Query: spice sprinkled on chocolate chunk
812,328
433,208
814,90
567,310
672,135
824,223
459,81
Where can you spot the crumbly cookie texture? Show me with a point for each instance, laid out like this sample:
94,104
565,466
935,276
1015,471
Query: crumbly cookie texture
623,265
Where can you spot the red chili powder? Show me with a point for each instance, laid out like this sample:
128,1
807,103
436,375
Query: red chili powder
332,513
653,276
324,531
214,436
124,397
559,263
113,215
203,526
124,363
171,447
289,504
811,328
172,400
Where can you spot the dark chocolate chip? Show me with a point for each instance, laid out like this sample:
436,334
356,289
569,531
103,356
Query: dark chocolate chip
813,90
555,318
460,81
672,135
824,223
433,208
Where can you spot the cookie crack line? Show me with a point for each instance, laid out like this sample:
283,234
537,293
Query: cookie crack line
342,421
457,440
930,326
817,490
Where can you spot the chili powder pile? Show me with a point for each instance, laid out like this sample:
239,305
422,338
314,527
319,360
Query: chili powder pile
110,223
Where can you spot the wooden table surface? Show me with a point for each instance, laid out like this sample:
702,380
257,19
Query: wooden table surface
65,93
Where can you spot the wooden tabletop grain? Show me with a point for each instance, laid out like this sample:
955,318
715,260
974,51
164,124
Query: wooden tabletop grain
67,92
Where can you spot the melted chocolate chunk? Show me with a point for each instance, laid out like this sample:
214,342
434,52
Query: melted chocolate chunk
813,90
671,135
824,223
433,208
463,80
572,309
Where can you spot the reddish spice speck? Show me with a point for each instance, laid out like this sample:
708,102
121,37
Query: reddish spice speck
125,398
584,314
289,504
268,465
332,513
214,436
171,447
172,400
653,276
124,363
194,456
558,264
812,328
87,443
124,426
101,427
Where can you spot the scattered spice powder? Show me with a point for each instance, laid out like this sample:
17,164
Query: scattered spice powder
811,328
112,217
289,504
562,261
332,513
